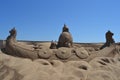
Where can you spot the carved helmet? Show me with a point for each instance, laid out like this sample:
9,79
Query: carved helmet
65,28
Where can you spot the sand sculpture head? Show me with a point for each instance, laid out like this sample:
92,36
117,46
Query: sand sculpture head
109,39
65,28
12,35
65,39
13,32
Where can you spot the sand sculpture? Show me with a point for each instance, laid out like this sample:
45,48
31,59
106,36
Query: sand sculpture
53,45
62,53
65,38
109,39
63,63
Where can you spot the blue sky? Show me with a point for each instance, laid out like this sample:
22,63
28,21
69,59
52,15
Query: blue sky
42,20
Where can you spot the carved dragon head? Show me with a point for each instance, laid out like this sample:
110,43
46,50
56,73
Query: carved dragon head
13,32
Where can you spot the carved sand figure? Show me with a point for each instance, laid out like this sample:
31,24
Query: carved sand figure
11,39
13,48
62,53
53,45
65,39
109,39
13,34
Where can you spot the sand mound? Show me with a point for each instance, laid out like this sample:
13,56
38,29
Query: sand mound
99,68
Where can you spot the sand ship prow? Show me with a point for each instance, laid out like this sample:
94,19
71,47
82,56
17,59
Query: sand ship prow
16,49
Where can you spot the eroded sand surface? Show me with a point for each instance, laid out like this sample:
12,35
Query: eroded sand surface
98,68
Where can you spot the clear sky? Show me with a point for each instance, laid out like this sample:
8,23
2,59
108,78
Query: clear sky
42,20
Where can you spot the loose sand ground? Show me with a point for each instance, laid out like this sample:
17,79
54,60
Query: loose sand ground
98,68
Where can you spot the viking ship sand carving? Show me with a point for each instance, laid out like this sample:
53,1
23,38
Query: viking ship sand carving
59,60
63,50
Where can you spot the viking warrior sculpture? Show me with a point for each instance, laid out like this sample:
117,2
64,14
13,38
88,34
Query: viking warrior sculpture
65,39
